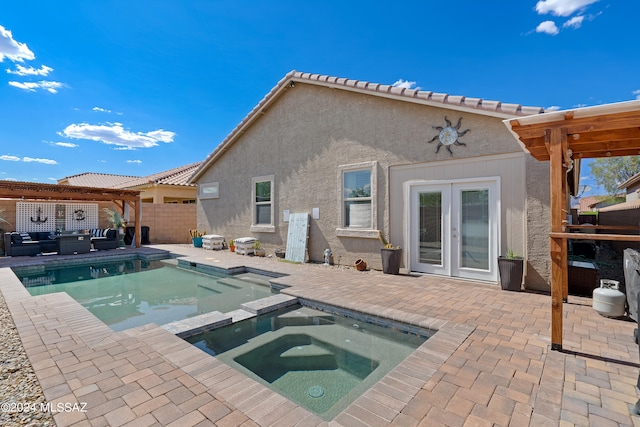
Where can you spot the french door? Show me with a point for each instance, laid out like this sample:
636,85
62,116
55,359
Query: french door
454,229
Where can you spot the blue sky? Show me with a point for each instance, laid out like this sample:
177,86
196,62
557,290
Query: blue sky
137,87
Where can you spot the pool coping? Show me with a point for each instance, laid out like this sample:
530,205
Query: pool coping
385,399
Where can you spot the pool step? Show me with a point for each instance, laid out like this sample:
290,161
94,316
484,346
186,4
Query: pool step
198,324
308,350
308,357
256,279
304,316
269,304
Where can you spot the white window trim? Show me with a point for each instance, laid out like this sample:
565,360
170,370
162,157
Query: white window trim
203,195
368,233
262,228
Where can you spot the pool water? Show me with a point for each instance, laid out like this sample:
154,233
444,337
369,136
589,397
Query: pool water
127,294
319,360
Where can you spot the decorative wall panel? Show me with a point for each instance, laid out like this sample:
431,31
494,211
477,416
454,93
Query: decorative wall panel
40,216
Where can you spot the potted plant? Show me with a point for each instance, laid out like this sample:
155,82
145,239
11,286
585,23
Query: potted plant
360,264
232,247
117,222
196,237
391,256
258,250
511,268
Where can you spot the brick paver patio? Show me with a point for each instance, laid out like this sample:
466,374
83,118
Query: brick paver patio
489,364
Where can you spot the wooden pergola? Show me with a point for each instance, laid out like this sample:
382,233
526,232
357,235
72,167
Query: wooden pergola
563,138
53,192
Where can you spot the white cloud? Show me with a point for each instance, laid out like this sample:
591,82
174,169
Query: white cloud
636,93
52,179
405,84
115,134
51,87
11,49
548,27
27,159
562,7
552,108
575,22
134,161
45,161
24,71
162,135
101,110
65,144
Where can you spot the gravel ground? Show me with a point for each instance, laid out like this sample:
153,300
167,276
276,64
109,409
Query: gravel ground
20,393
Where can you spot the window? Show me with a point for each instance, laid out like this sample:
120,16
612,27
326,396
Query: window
356,187
262,202
208,190
357,200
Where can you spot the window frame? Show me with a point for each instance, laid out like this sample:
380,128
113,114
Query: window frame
263,228
344,231
212,185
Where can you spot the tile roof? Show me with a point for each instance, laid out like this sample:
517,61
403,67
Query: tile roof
442,100
175,176
99,180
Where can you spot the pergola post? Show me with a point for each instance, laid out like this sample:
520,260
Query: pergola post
558,246
138,233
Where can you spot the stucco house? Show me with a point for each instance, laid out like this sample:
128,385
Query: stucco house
438,174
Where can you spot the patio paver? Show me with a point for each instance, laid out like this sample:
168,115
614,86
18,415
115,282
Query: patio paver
489,364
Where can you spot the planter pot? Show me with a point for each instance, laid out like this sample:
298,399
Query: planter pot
360,264
510,270
232,248
391,260
197,241
259,252
280,253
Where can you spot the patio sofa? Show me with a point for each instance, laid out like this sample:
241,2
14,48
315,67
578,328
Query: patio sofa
32,243
103,239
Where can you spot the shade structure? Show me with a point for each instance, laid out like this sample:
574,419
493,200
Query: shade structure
38,191
563,138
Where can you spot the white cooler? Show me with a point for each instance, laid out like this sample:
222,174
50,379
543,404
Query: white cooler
244,245
212,241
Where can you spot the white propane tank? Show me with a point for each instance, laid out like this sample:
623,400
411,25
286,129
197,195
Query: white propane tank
608,300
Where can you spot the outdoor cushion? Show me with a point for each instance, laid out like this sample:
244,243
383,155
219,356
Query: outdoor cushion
25,237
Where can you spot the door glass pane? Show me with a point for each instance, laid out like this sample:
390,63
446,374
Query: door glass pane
474,252
430,228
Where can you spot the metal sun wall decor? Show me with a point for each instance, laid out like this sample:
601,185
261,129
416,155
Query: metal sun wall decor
449,135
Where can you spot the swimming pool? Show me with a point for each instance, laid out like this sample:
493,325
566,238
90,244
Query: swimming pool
132,293
321,361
